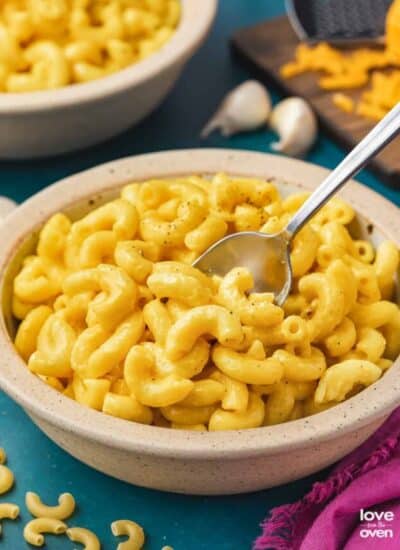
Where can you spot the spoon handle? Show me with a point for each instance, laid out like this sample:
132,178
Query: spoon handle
382,134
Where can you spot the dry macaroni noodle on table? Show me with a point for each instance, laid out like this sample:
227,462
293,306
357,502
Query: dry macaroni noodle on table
6,479
6,475
89,540
47,45
114,316
64,509
33,531
8,511
132,530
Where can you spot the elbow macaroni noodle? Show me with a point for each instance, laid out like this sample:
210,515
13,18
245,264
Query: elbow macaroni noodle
85,537
33,531
8,511
114,316
6,479
134,532
65,508
47,45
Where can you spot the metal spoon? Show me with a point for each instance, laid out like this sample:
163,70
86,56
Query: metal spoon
268,256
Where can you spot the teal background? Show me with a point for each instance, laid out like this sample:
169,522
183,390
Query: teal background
184,522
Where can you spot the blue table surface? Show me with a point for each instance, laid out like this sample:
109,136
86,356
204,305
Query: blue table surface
184,522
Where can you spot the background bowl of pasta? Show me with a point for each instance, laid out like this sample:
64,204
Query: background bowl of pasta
261,396
76,74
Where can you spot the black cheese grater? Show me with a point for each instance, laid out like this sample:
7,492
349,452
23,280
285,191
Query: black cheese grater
338,21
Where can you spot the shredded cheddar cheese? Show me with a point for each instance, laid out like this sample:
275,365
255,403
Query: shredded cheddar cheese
344,102
382,96
344,70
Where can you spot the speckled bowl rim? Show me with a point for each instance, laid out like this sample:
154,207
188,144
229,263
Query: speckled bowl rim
197,17
372,404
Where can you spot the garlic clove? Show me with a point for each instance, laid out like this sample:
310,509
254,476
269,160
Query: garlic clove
245,108
296,124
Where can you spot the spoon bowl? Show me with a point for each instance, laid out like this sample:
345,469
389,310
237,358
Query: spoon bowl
207,463
268,256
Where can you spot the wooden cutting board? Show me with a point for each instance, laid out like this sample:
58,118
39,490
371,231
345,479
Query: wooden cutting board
267,46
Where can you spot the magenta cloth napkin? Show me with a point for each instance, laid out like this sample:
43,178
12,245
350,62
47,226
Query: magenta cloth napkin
329,516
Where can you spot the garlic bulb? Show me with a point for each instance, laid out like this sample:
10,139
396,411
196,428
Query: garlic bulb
296,124
245,108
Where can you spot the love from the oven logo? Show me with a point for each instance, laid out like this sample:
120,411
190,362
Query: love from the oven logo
376,525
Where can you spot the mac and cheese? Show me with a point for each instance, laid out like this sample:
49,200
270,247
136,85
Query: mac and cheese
114,316
46,45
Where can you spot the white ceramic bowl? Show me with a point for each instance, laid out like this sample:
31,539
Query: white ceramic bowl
175,460
47,123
